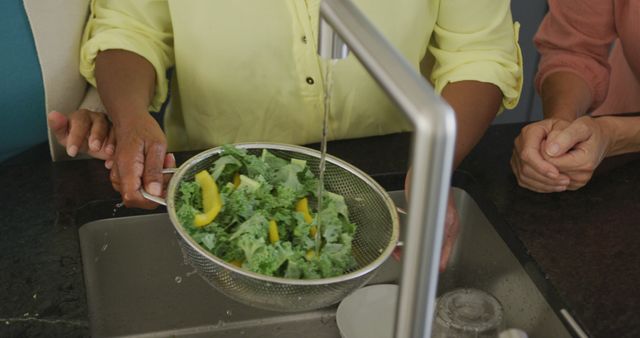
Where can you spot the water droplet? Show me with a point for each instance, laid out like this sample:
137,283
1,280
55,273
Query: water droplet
105,246
185,259
7,322
190,273
178,279
117,207
325,318
229,313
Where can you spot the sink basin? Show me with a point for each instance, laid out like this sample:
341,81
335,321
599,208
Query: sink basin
138,284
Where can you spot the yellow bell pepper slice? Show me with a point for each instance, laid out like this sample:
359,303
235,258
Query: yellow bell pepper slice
303,206
310,254
211,201
236,180
236,262
273,232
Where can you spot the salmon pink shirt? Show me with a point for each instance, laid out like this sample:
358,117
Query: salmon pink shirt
598,40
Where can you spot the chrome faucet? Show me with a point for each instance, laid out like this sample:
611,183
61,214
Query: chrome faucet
344,28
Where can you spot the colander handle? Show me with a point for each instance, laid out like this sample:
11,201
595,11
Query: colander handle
157,199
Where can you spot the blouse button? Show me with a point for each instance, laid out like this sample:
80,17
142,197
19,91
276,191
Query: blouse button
310,80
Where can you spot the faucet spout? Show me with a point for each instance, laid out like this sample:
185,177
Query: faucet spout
342,23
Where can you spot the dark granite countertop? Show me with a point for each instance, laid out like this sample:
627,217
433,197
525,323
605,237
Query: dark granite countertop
584,242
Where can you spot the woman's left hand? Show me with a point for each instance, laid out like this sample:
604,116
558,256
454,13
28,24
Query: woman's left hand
84,131
451,224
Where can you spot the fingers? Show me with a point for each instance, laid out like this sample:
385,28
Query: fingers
140,156
137,165
109,149
109,146
407,184
129,166
153,165
99,131
531,165
581,147
83,131
574,160
532,180
529,155
69,132
579,180
560,142
114,177
169,161
59,125
578,166
451,232
79,126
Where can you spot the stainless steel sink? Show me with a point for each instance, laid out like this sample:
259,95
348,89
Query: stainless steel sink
138,284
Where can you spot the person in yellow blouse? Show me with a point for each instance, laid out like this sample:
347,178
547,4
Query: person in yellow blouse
249,71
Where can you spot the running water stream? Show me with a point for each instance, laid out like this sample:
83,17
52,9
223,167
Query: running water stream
328,84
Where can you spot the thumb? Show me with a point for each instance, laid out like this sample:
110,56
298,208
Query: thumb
561,142
59,125
169,161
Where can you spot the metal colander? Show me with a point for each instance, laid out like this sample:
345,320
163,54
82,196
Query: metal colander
370,208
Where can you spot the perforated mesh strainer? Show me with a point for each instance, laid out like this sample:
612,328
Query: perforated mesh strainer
370,208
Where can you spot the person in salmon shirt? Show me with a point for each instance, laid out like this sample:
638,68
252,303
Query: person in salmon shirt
588,76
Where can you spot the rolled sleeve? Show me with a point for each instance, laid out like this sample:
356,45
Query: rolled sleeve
139,26
576,37
477,40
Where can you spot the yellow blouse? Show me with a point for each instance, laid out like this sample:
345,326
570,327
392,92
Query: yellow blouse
249,71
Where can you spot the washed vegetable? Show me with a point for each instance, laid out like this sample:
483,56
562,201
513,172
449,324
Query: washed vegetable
255,212
211,203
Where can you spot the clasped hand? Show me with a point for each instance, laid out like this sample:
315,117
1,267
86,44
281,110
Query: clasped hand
555,155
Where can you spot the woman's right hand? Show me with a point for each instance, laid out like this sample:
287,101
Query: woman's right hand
139,160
